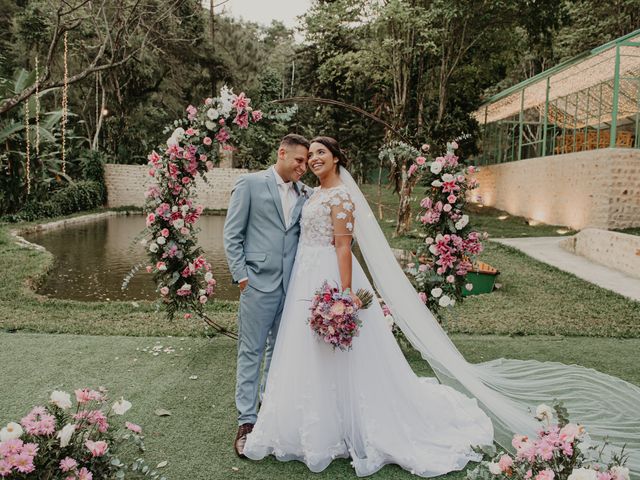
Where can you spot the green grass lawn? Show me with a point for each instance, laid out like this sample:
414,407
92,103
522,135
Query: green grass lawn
197,438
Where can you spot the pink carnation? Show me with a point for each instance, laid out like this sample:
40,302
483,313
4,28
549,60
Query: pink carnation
67,464
545,475
85,474
505,463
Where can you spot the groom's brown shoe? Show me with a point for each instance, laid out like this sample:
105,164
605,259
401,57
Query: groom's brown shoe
241,438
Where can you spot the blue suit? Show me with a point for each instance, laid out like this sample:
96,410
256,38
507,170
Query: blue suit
259,246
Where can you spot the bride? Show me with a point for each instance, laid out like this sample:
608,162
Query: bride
366,403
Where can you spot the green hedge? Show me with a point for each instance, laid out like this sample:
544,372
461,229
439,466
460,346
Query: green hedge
83,195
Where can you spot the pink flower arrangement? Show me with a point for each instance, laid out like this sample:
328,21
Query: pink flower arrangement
334,317
57,441
193,146
559,452
450,243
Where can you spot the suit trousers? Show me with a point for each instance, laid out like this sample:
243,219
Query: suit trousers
258,322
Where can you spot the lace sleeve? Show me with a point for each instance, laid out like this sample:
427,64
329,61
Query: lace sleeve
342,214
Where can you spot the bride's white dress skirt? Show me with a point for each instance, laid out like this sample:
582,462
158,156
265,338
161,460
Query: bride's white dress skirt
365,403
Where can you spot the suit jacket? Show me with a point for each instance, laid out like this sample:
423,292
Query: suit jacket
257,242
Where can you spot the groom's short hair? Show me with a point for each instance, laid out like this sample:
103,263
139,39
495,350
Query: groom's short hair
293,139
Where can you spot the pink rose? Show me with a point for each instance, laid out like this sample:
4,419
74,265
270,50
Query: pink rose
149,269
133,427
191,112
209,164
161,266
451,279
412,169
207,140
545,475
186,180
472,169
150,219
423,297
506,462
164,291
221,121
222,136
152,172
447,207
421,160
452,198
98,448
190,131
187,316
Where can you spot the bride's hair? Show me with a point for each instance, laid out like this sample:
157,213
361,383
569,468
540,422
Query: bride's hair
334,148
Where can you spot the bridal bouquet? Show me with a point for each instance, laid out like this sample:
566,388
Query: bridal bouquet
334,316
561,451
81,443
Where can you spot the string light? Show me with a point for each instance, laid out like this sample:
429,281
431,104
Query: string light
28,160
65,101
37,111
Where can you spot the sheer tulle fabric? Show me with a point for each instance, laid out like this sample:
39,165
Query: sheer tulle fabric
366,403
508,390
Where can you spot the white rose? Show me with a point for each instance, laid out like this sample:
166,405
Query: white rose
436,292
212,113
153,248
11,431
583,474
451,278
495,468
620,473
436,167
452,302
65,434
184,208
174,209
469,286
544,412
61,399
179,223
463,222
447,177
436,183
208,277
447,207
433,249
161,240
428,240
121,406
210,125
445,301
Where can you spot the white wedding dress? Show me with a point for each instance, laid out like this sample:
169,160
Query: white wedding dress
366,403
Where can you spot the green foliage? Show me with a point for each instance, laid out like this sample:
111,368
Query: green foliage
76,197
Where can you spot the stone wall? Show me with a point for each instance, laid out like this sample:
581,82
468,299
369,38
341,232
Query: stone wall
595,188
126,185
616,250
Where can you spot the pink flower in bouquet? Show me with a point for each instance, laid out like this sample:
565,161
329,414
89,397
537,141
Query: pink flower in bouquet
221,121
528,474
256,115
85,474
451,279
412,169
191,132
446,260
133,427
187,316
518,441
545,449
164,232
422,296
337,308
207,141
422,268
547,474
421,161
447,208
527,451
604,476
85,395
68,464
30,449
23,463
186,180
97,448
191,112
240,102
452,198
222,136
5,468
569,432
152,192
506,462
471,169
39,422
152,172
209,165
199,262
164,291
463,267
161,266
567,449
13,446
173,170
242,120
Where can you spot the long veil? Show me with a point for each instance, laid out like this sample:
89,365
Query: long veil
507,390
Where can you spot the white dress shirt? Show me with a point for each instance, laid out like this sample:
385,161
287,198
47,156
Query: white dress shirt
288,196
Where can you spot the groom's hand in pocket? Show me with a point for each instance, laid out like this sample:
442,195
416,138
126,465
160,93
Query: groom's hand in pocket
243,284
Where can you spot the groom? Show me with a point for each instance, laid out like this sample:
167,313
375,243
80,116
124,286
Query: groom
260,240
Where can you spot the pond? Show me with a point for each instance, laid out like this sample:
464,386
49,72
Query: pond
92,259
